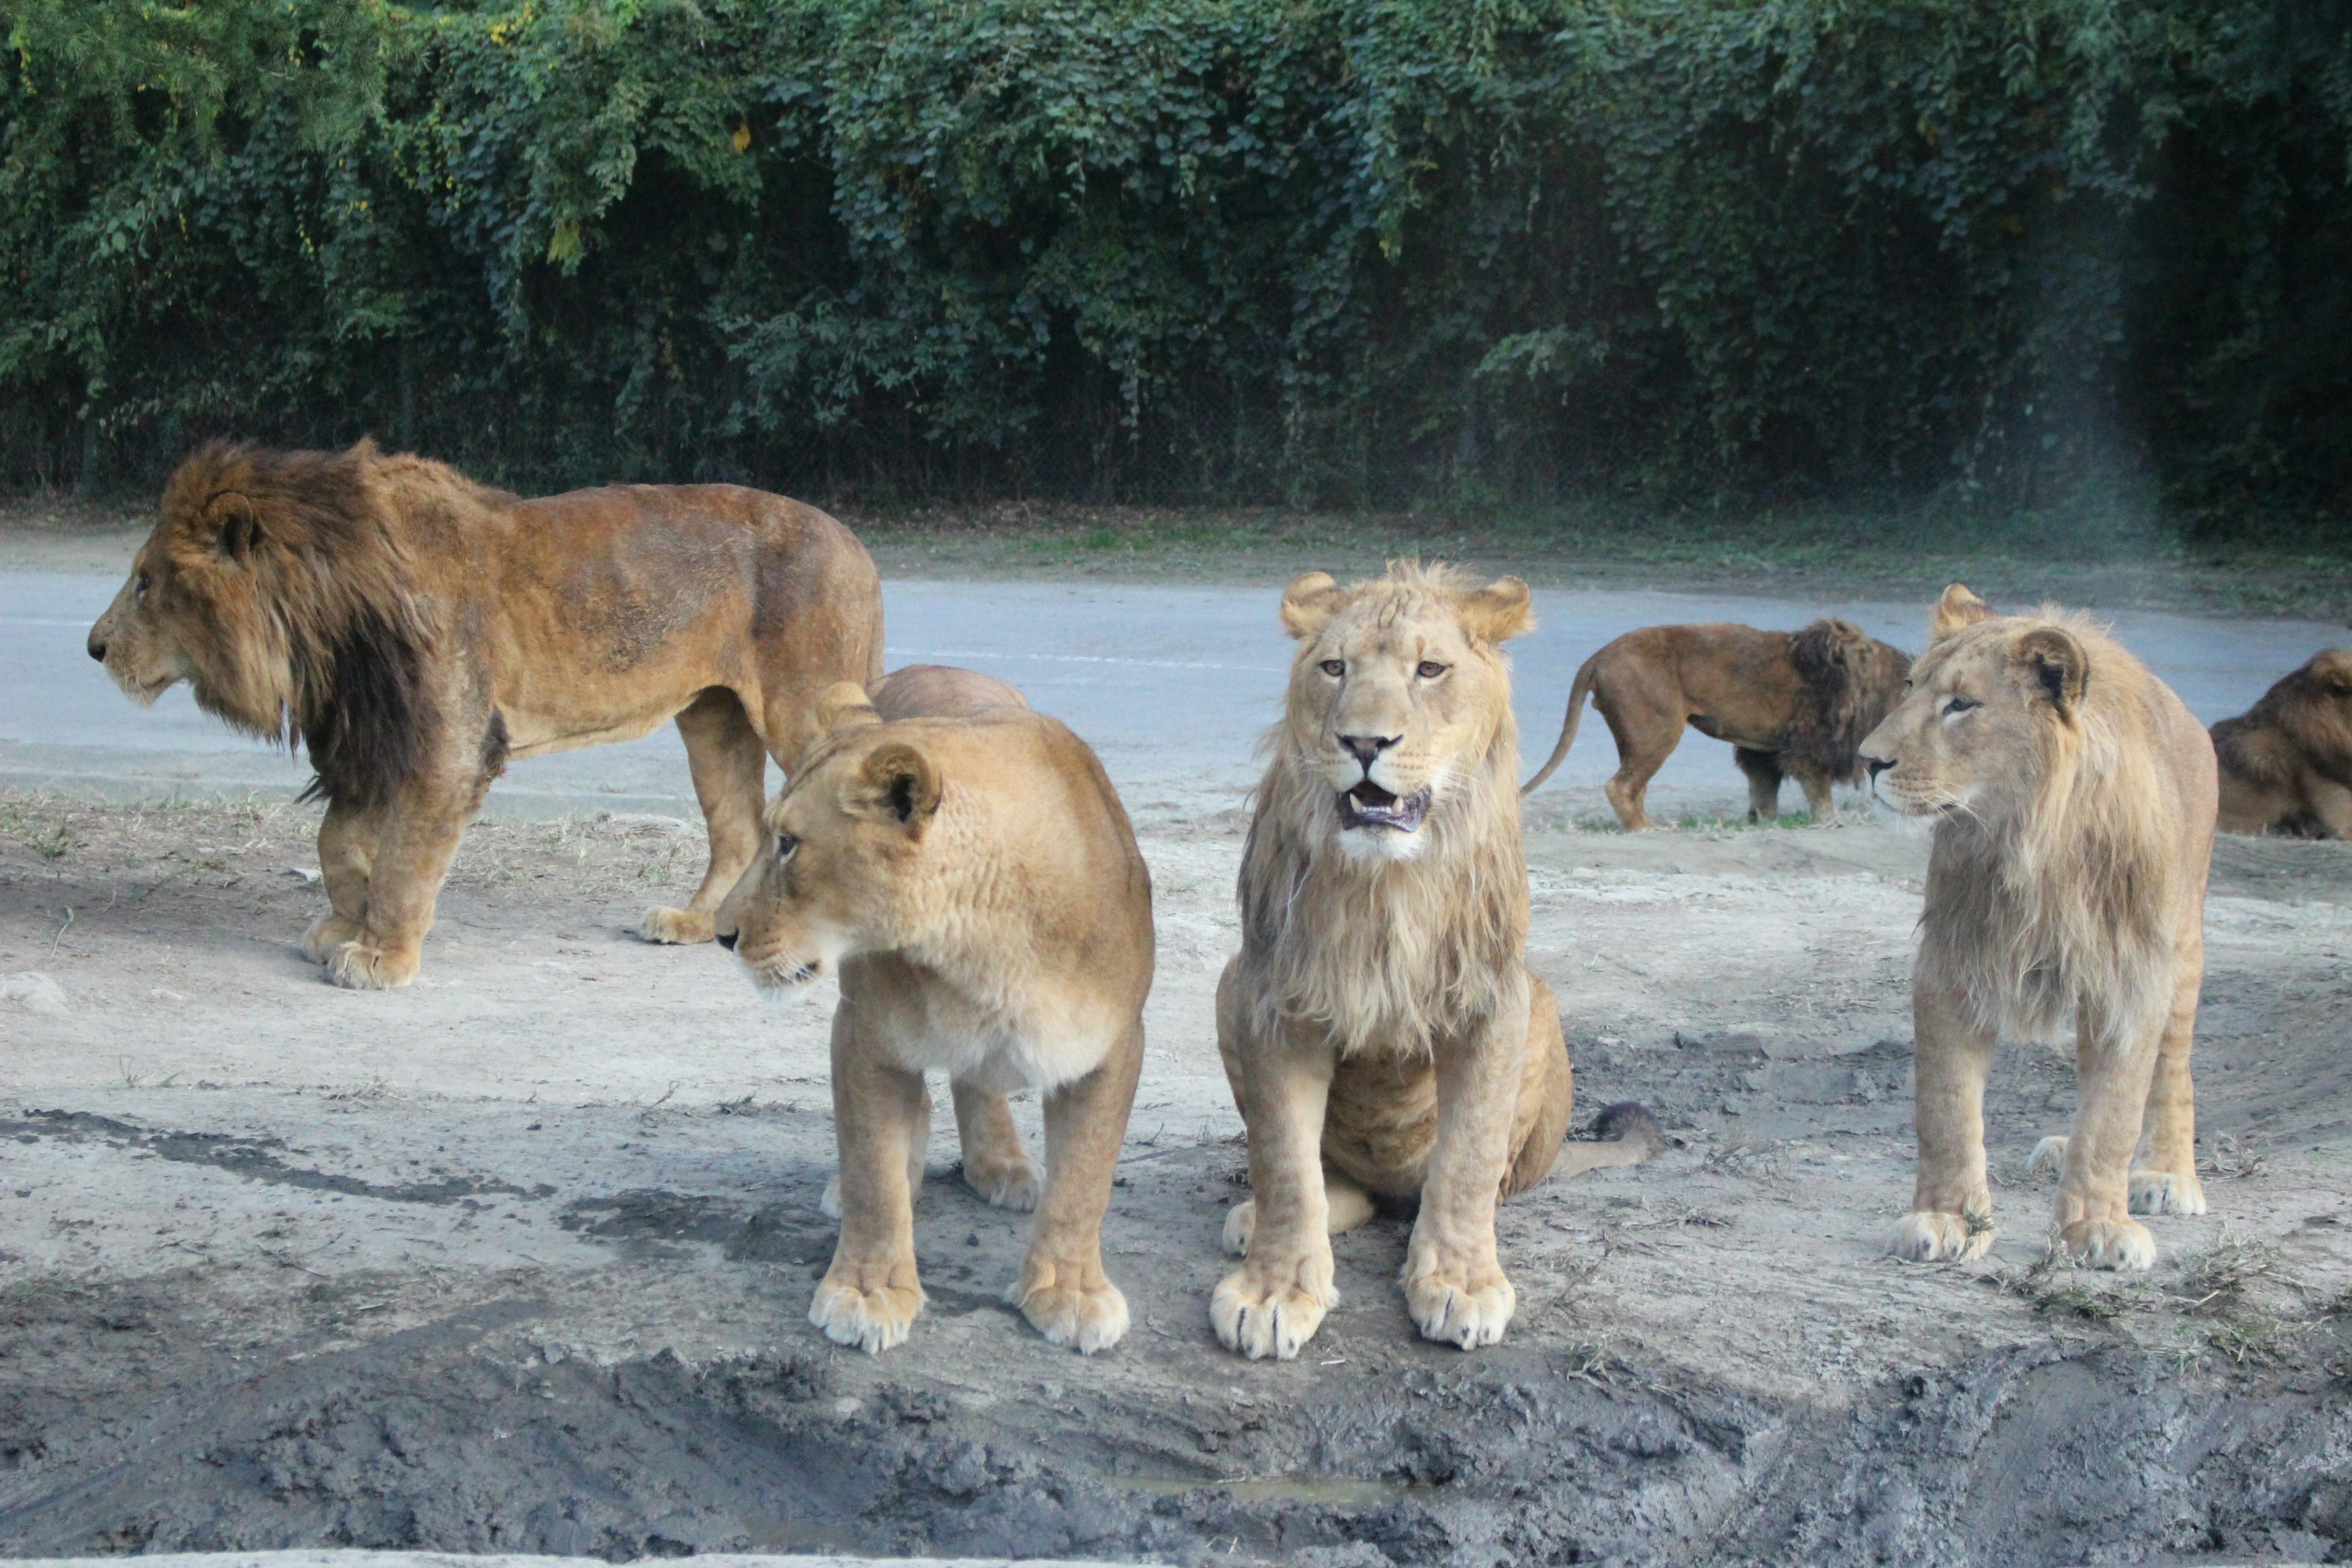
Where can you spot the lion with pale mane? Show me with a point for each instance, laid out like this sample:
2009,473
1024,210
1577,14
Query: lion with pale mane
2072,798
2287,765
1383,1035
965,867
1792,704
417,631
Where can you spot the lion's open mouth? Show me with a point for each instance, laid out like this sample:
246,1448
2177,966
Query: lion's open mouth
1369,806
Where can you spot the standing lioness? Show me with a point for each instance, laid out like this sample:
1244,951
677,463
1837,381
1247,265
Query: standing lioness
1380,1029
971,873
2072,799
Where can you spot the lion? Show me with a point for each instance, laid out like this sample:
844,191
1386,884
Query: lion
1790,703
2287,765
2072,799
1382,1033
965,867
417,631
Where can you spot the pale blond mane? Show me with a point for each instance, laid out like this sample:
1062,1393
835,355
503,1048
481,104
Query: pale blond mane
2059,905
1393,952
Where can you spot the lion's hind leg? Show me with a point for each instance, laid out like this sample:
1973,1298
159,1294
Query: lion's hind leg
1647,733
346,846
730,767
996,1166
1764,775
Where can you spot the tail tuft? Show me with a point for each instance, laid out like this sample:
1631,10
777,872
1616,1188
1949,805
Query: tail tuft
1627,1121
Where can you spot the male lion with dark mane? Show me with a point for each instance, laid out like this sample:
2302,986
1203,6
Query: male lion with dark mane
2072,799
415,630
2287,765
1381,1030
1792,704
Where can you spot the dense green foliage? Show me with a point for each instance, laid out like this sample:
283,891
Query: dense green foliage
1339,251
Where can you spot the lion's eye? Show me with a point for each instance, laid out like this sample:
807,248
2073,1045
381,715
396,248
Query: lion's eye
1335,667
1954,705
1430,670
145,582
786,845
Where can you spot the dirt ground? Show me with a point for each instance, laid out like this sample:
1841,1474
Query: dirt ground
519,1259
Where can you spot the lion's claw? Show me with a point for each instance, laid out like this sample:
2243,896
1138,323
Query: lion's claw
2108,1244
682,928
1931,1236
326,933
355,966
2167,1192
1463,1313
1060,1305
875,1319
1262,1317
1010,1184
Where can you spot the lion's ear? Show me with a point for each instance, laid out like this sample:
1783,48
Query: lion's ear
1957,609
843,704
2334,669
897,780
2059,664
232,526
1500,611
1309,603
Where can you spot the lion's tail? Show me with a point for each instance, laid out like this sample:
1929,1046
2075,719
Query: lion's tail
1626,1134
1576,696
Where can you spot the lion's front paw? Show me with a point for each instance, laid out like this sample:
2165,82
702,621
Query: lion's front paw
2108,1244
1012,1184
681,926
1931,1236
1464,1308
2167,1192
2050,1151
356,966
1241,1225
328,932
1070,1305
1262,1312
869,1308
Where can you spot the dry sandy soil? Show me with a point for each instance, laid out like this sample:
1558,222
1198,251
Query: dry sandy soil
519,1259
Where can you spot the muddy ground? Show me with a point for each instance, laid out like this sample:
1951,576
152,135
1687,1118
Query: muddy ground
519,1259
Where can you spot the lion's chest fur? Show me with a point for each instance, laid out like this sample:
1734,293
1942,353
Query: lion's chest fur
986,1034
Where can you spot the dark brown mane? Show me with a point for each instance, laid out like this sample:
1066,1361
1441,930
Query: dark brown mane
2311,710
319,640
1851,683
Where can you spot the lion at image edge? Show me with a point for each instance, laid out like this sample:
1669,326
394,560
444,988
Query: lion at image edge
965,867
1383,1035
2287,765
2072,800
416,631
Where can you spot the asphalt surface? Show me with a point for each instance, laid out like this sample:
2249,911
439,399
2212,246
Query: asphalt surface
1171,685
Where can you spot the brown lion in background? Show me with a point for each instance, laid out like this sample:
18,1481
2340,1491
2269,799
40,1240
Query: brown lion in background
1792,704
2287,764
415,630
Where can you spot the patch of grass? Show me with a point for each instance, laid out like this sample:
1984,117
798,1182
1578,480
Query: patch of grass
2217,1276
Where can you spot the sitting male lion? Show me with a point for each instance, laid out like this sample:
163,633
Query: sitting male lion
416,630
1380,1029
967,868
1792,703
2287,765
2072,798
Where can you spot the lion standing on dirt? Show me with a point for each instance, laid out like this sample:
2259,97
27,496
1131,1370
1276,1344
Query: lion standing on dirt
1381,1030
1792,704
967,866
2071,795
416,631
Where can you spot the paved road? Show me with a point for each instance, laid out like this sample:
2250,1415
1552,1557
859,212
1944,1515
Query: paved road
1172,686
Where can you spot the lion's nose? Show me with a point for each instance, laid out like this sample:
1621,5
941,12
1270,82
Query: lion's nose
96,648
726,940
1365,749
1878,765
